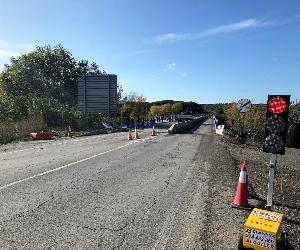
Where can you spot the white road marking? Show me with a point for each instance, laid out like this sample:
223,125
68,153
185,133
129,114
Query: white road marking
65,141
67,165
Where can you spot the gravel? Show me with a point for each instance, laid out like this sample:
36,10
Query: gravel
224,224
287,189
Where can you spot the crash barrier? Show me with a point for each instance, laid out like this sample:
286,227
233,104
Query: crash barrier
181,127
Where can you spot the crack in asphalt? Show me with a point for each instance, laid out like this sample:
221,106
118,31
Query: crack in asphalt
45,202
114,230
22,214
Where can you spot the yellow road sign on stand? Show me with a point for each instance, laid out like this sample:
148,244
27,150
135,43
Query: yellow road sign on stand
262,229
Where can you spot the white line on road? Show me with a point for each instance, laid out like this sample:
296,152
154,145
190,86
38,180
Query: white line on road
67,165
54,143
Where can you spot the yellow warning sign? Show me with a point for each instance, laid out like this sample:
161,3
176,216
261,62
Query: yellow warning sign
261,229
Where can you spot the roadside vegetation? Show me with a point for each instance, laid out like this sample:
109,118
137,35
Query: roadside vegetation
38,92
253,122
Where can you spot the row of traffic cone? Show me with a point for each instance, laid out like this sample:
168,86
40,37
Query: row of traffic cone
242,191
136,134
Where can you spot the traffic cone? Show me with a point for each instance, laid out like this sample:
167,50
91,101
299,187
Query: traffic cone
69,132
153,132
129,135
245,163
241,195
136,135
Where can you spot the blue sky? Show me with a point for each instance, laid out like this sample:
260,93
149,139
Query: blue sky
204,51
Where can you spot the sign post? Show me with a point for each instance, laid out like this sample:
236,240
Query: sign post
271,181
275,135
243,106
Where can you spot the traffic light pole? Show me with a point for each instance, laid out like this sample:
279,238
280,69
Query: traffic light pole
272,171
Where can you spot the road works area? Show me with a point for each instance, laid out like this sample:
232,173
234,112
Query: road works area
105,192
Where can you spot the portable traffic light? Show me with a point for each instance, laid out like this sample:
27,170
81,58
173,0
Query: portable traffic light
276,124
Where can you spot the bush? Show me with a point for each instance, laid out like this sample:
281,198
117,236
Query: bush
17,130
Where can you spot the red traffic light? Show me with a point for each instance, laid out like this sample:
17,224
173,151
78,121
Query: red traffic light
277,105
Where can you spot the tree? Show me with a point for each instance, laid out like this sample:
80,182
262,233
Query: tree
135,104
154,110
166,109
44,80
177,108
119,92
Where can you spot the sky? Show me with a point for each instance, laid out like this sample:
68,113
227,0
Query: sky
208,51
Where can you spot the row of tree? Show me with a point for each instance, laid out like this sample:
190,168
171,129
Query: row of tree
44,82
135,106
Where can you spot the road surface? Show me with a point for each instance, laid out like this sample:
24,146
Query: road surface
104,192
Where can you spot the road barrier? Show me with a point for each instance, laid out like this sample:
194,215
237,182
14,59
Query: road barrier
242,191
136,135
181,127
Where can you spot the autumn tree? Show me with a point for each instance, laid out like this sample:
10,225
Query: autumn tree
177,108
154,110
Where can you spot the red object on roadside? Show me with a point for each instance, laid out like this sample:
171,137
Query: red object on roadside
129,137
241,195
42,136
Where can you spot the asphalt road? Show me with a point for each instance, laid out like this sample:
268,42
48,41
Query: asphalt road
104,192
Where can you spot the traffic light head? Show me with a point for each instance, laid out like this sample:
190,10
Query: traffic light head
276,124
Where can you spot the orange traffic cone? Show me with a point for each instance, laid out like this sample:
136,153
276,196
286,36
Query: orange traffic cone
69,132
247,180
136,135
241,195
153,132
129,135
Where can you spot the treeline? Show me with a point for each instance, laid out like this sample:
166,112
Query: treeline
38,91
44,82
134,106
253,122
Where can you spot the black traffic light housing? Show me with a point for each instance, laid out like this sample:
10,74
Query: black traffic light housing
276,124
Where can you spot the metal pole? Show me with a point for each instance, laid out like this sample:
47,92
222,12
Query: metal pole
272,171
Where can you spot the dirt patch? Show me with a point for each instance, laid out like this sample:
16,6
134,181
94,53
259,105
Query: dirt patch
287,184
223,223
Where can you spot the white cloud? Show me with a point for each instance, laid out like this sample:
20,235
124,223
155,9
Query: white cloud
184,75
9,49
7,54
223,29
171,66
18,46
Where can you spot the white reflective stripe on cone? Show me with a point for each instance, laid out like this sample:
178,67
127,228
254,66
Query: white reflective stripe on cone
242,178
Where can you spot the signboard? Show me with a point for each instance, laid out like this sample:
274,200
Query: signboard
244,105
97,93
262,229
266,215
260,238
